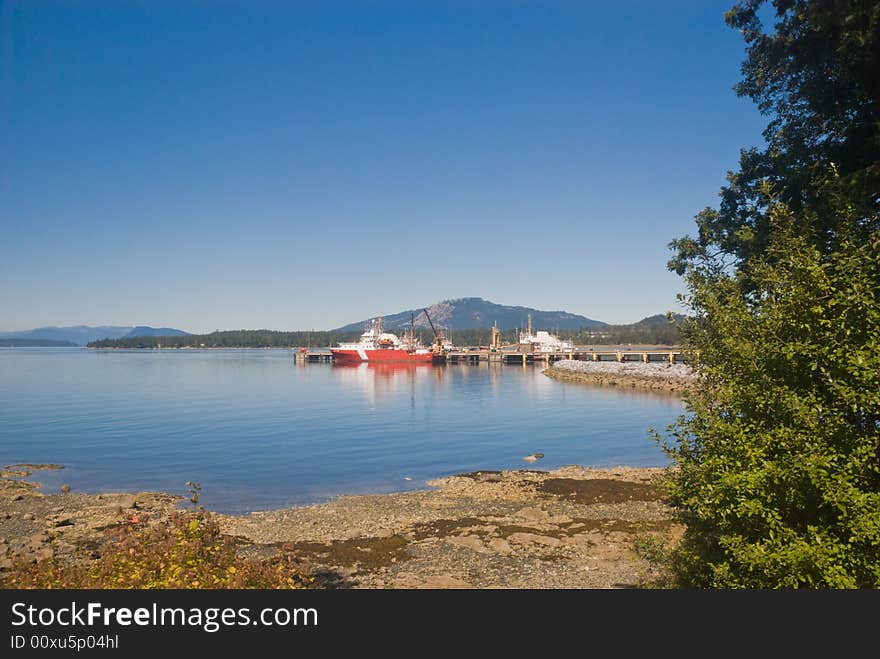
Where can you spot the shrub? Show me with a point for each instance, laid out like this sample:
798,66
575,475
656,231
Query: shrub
779,459
187,550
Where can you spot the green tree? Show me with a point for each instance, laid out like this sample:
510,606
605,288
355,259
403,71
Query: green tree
778,478
817,78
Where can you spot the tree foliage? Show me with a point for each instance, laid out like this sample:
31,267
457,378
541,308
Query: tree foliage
779,463
818,79
778,477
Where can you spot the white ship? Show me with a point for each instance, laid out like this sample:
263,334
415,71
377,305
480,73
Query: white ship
542,341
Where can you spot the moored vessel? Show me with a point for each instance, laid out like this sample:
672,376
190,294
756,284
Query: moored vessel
542,341
377,345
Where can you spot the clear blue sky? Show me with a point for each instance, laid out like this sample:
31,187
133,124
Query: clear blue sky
220,165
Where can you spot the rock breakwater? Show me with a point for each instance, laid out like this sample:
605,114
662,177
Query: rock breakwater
674,378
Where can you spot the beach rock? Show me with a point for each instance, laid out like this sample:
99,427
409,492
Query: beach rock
534,538
533,457
35,546
584,540
65,489
15,473
34,467
533,514
29,517
500,546
439,581
384,533
128,501
469,541
43,554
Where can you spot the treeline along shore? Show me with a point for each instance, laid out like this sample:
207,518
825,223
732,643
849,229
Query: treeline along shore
659,331
260,338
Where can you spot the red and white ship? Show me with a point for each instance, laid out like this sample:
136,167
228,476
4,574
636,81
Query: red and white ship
376,345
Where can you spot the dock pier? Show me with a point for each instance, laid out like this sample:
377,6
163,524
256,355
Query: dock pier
670,355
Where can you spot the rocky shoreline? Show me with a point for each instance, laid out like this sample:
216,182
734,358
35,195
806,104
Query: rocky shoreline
672,378
574,527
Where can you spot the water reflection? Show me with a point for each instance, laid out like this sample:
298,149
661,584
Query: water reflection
384,381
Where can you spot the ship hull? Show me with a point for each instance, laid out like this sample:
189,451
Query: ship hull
389,355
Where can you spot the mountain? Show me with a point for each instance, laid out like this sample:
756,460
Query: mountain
476,313
143,330
82,334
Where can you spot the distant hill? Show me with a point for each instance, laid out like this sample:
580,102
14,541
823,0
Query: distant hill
658,329
658,321
475,313
35,343
80,335
143,330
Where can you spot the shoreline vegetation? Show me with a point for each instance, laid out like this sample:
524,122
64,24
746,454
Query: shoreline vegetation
655,330
574,527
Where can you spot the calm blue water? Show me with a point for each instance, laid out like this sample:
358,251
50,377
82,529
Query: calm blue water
258,431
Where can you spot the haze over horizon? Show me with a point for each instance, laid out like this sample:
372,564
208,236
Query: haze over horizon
293,166
483,305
